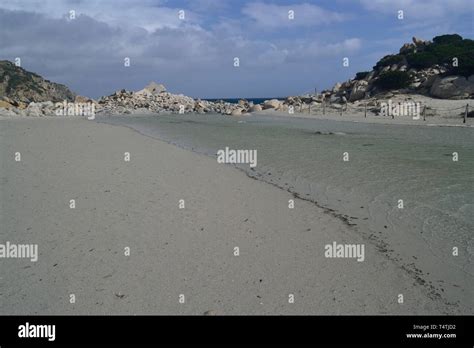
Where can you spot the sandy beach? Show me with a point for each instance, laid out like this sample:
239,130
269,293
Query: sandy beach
173,251
440,112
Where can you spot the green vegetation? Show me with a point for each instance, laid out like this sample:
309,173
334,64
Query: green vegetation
389,60
362,75
447,39
421,60
442,51
17,83
393,80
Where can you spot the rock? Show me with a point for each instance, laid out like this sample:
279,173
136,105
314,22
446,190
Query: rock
155,88
236,112
358,90
6,105
336,87
256,108
346,84
34,109
415,85
22,106
82,99
9,101
419,42
199,105
271,104
7,112
452,87
428,82
407,48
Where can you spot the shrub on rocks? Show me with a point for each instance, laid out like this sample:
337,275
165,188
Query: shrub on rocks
393,80
421,60
362,75
389,61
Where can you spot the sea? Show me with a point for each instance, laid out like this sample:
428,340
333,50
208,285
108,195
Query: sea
409,190
236,100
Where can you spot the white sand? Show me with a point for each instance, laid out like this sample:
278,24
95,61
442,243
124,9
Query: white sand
190,251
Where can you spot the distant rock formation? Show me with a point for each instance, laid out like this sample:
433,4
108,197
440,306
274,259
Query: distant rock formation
152,89
21,86
155,99
442,68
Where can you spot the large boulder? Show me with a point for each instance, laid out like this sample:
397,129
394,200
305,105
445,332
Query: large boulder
34,109
155,88
455,87
271,104
358,90
419,43
236,112
151,89
256,108
83,100
428,82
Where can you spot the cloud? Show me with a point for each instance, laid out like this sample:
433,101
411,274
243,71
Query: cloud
147,14
87,53
272,16
420,10
196,56
317,49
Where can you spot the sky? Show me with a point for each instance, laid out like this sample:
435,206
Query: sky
194,54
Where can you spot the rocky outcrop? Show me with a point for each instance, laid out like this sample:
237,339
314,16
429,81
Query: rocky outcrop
23,86
452,87
155,99
32,109
436,80
27,94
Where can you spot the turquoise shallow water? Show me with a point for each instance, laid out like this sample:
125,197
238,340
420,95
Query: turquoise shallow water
386,163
